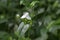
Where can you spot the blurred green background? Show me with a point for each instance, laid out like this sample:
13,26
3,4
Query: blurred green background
29,19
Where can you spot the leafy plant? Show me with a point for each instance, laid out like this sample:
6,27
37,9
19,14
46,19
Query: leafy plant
29,19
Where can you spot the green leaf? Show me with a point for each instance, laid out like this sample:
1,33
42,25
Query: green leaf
33,3
4,36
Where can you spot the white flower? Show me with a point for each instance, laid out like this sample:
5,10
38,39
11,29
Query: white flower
26,15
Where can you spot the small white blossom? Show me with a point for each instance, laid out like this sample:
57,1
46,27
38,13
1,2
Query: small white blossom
26,15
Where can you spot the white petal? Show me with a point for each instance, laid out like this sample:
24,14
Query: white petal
28,17
24,15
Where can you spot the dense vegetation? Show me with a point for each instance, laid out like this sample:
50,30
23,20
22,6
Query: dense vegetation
29,19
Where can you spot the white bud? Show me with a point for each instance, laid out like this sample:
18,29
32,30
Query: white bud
17,15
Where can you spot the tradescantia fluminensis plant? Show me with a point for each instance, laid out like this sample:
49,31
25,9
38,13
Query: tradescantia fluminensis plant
41,21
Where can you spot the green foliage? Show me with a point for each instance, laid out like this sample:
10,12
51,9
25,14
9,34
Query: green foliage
29,19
